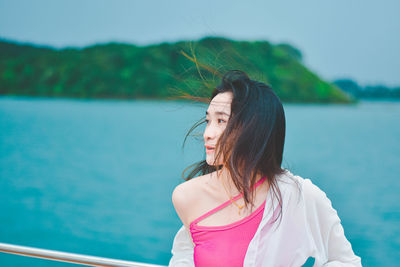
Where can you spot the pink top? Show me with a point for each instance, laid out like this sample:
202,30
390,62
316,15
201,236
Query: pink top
224,245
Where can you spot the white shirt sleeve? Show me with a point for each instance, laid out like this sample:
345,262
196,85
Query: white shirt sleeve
324,226
182,250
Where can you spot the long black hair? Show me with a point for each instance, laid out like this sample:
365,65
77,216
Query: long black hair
253,141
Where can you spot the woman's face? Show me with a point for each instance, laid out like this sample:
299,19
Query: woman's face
217,116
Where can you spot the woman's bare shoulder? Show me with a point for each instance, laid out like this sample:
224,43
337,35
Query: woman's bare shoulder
186,194
189,190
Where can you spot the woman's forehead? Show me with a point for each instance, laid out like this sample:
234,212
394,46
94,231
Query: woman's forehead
221,103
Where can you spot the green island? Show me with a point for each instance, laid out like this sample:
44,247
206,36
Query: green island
161,71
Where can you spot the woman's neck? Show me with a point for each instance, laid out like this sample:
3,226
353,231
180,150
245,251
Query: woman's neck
224,178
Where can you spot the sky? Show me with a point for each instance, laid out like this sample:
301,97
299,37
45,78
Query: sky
357,39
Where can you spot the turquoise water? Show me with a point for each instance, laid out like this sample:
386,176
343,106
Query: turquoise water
95,177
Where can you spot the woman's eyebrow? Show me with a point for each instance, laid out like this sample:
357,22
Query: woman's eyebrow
219,113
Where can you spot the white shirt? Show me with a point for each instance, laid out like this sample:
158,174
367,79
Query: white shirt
309,227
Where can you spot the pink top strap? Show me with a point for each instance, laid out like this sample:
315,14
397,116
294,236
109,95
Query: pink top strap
223,205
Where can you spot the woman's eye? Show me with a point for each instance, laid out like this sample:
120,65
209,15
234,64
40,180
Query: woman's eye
219,121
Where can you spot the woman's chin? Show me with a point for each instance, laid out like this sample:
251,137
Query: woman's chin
210,160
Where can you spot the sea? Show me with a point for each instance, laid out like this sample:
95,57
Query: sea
95,177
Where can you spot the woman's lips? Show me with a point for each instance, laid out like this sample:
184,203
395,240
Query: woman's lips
209,149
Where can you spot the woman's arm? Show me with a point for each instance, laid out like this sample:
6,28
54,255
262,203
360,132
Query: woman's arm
333,249
182,250
182,247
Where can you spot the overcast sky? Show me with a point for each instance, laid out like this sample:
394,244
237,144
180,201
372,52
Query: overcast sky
359,39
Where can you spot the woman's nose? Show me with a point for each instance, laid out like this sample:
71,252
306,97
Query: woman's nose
209,133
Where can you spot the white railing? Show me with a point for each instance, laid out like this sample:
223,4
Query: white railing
69,257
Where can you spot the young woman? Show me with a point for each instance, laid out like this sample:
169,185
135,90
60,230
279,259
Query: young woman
244,209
